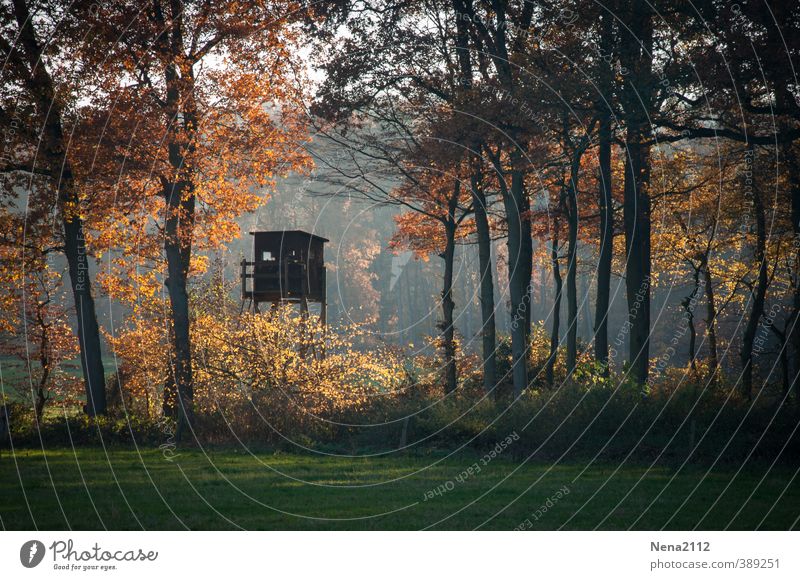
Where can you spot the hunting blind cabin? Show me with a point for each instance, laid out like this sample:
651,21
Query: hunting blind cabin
288,267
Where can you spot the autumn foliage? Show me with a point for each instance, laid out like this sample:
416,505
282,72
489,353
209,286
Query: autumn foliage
276,362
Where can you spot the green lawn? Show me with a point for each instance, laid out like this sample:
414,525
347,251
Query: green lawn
230,489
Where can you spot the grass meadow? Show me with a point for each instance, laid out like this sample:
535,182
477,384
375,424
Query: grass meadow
234,488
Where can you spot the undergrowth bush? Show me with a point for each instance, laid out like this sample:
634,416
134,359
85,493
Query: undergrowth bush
280,380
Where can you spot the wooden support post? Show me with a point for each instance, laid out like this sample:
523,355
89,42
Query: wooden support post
323,311
284,282
244,278
323,307
304,311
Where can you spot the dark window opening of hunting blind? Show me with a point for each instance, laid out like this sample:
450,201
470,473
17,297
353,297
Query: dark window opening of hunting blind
289,265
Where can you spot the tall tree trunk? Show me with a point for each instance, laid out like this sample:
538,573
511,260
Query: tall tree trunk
636,58
587,333
785,100
793,323
177,247
72,222
543,290
571,204
488,326
526,256
784,359
555,331
44,362
41,398
573,218
482,230
88,328
760,291
518,274
515,201
180,215
711,323
518,278
447,328
688,304
606,203
637,267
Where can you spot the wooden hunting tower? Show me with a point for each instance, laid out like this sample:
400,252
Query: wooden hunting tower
288,266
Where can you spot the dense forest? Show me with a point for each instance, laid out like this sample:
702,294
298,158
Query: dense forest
525,200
